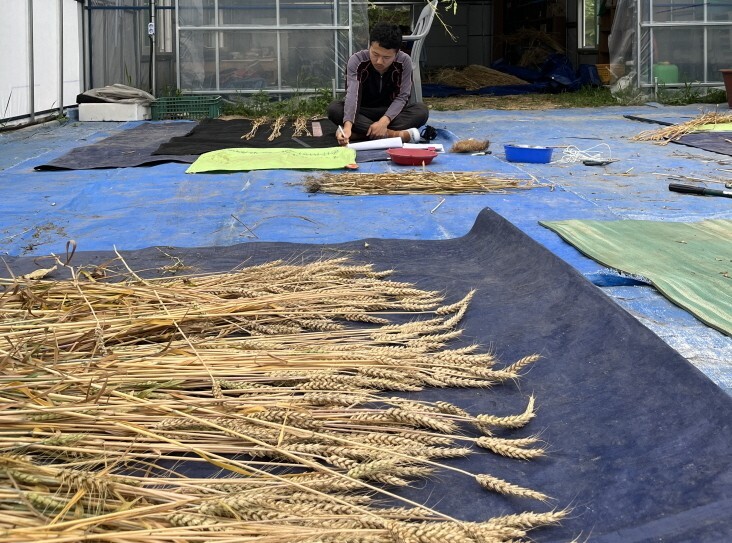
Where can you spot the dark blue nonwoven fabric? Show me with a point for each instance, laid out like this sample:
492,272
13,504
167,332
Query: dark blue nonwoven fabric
638,439
128,148
137,146
716,142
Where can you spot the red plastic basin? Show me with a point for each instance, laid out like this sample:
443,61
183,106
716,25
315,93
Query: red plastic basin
411,157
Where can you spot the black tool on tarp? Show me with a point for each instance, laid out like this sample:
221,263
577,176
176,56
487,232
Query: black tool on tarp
599,161
691,189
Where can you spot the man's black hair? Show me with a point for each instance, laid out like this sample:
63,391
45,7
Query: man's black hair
388,36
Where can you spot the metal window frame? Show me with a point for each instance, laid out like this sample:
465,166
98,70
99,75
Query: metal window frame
645,30
278,28
581,27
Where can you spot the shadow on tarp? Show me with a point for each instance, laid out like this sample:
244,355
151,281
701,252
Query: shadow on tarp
638,439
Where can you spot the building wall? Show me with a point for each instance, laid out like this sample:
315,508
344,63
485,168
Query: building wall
478,27
15,95
472,27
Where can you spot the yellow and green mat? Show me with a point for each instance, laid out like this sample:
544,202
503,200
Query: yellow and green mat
689,263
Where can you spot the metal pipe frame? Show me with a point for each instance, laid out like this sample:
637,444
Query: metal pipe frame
31,65
60,57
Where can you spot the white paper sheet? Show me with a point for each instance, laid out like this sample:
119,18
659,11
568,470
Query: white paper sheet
383,143
438,147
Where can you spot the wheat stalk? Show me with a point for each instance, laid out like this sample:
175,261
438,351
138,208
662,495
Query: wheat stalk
667,134
103,379
414,181
277,127
256,123
300,125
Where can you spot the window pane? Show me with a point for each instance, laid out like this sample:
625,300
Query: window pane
589,26
670,11
308,59
248,59
307,12
719,42
194,57
196,12
674,51
247,12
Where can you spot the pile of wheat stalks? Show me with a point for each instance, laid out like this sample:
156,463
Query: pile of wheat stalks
475,77
413,181
241,406
667,134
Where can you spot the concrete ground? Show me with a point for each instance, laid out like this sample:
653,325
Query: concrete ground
133,208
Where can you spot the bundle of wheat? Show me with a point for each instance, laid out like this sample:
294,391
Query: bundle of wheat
256,123
277,125
667,134
414,181
300,125
266,383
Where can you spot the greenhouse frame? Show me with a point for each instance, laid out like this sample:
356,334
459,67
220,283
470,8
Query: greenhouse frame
680,42
57,49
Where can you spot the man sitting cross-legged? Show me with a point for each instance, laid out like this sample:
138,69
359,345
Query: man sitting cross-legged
378,87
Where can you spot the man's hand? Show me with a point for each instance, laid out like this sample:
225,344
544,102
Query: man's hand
379,128
343,135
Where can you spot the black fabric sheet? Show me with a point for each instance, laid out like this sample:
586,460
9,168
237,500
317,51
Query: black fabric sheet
216,134
716,142
648,120
139,146
129,148
638,439
436,90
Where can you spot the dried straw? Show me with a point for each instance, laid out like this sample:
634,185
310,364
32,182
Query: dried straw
267,377
414,181
301,127
533,37
474,77
277,126
662,136
469,146
536,46
256,123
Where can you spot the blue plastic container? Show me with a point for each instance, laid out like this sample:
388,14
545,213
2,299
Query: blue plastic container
528,153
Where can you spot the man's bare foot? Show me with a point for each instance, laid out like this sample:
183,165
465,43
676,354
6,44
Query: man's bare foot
403,134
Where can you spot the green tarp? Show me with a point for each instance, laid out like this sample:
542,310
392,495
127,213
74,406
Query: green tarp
690,263
273,159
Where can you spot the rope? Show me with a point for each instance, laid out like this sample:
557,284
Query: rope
572,154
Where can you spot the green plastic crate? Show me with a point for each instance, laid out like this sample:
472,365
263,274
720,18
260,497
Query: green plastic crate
189,108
